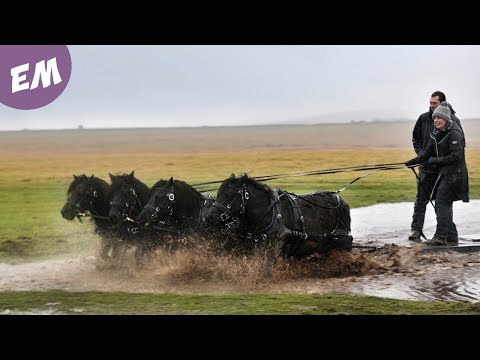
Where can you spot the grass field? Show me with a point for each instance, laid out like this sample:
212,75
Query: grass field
62,302
34,179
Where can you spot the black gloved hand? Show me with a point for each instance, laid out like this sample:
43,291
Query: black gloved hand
410,162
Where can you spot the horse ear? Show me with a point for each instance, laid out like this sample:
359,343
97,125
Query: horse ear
92,177
132,174
170,181
232,176
76,177
111,176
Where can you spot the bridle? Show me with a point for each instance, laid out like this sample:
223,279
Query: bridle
87,212
125,208
171,207
226,209
154,211
227,215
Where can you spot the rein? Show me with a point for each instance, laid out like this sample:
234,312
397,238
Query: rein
390,166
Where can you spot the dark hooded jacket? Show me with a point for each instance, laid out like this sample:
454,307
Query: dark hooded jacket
447,150
421,136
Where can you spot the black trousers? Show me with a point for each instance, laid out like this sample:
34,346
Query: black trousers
424,190
446,228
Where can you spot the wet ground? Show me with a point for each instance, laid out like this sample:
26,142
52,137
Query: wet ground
398,268
435,274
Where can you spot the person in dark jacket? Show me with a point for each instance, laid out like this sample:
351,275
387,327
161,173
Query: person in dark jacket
428,172
446,150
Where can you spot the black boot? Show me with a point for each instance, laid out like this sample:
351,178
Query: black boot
415,235
436,240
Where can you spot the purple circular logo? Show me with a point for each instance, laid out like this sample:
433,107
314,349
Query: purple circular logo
32,76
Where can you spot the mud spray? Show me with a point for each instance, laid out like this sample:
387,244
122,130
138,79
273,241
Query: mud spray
205,267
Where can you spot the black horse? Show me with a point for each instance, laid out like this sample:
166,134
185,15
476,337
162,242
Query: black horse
127,197
175,207
304,224
87,196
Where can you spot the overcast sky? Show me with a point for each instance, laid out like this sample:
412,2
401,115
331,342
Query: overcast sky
164,86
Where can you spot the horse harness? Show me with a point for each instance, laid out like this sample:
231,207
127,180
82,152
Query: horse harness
126,210
88,213
277,224
168,226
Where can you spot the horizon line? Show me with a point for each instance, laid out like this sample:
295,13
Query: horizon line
81,127
351,122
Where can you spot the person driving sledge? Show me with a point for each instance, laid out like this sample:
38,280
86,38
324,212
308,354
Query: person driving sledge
446,149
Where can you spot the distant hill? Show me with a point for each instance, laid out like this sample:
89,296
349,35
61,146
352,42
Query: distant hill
352,116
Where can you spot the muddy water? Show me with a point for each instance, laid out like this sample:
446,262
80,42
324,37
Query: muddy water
397,269
436,276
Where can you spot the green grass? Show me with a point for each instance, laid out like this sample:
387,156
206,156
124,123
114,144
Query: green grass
32,226
33,190
62,302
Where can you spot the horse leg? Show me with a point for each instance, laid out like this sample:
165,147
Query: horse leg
118,248
105,247
340,239
142,254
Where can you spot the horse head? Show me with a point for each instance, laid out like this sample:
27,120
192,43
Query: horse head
175,202
237,201
126,194
84,194
161,203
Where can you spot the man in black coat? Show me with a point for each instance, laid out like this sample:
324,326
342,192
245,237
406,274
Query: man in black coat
446,150
428,172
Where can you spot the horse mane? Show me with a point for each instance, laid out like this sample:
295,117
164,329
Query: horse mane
84,179
143,192
186,197
245,179
77,181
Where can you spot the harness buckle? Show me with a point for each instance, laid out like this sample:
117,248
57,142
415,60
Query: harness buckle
133,230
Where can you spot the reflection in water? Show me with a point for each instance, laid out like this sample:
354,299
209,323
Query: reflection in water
453,285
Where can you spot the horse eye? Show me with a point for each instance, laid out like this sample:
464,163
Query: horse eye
126,204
